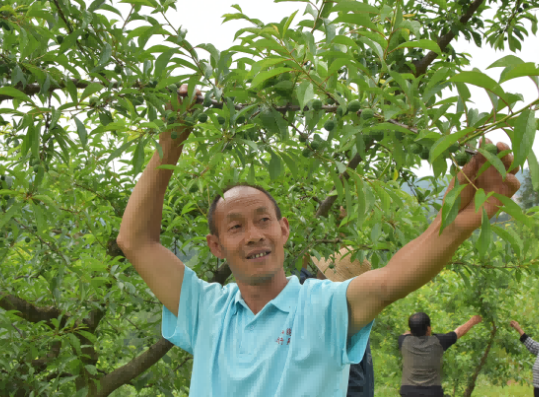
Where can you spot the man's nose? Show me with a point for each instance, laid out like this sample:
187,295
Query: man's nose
253,234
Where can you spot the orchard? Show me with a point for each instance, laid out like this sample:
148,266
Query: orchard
333,105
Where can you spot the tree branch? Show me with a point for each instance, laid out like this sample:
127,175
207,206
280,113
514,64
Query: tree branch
422,64
471,383
134,368
28,311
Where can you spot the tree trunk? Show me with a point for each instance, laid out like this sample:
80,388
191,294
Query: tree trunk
473,379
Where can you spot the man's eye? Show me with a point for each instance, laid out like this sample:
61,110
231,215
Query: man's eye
265,219
234,227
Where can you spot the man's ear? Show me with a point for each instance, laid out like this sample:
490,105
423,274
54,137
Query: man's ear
285,229
215,247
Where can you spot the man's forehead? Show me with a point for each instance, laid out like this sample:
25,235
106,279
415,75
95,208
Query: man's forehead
242,197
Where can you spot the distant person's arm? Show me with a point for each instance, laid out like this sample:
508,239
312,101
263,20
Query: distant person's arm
407,332
139,236
530,344
464,328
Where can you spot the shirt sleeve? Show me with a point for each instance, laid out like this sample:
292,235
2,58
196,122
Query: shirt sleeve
326,310
401,339
202,305
530,344
447,340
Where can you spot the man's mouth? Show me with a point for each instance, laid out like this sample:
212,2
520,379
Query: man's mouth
259,255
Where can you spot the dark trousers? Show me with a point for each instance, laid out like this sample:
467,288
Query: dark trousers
421,394
536,392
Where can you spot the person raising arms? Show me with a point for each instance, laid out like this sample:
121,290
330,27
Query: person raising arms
266,334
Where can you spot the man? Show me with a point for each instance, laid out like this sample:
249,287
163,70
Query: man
533,348
267,335
422,355
361,379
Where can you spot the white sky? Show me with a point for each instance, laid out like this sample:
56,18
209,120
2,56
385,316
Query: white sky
203,21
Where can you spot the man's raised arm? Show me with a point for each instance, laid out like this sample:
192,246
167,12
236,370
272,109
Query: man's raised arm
464,328
139,236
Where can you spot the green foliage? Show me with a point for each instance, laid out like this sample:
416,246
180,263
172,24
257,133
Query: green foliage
83,100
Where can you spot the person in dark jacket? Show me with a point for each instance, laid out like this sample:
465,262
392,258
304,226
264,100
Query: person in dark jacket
422,355
361,380
533,348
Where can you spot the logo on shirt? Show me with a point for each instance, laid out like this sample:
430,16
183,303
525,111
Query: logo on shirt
281,339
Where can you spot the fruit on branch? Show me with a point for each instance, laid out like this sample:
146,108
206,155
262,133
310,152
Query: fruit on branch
341,110
315,145
454,147
207,102
240,120
354,106
174,134
60,39
377,135
367,114
330,101
221,120
317,104
491,148
27,239
203,117
461,158
306,152
425,153
302,139
415,148
118,69
329,125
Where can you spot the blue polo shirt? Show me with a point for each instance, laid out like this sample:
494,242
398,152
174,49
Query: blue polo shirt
297,345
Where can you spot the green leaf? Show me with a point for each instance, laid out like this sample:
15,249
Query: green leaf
287,23
355,6
512,238
275,166
523,137
483,242
305,93
356,19
509,60
92,88
118,152
522,70
6,217
81,130
494,161
481,80
423,43
479,198
451,205
162,61
138,156
15,93
106,53
263,76
534,170
336,181
291,164
442,144
514,210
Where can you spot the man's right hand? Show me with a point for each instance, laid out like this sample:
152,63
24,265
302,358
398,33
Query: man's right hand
477,319
173,146
515,325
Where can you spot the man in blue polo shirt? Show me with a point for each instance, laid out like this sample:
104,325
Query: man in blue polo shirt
266,334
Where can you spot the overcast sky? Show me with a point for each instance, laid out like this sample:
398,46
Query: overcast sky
203,21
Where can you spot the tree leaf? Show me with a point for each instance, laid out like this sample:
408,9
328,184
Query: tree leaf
356,19
511,238
138,156
81,130
534,170
509,60
485,237
494,161
91,89
481,80
423,43
513,209
305,93
288,22
15,93
522,70
263,76
523,137
442,144
450,209
355,6
275,166
106,53
162,61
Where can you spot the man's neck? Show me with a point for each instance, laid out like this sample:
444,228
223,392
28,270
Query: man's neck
257,296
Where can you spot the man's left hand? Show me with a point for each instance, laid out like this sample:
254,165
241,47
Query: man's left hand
490,180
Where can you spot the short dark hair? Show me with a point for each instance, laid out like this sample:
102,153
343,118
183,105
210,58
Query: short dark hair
213,206
418,323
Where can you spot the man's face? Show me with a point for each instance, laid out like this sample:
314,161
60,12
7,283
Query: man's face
247,225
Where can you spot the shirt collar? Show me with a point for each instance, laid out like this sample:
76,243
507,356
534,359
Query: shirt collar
285,301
